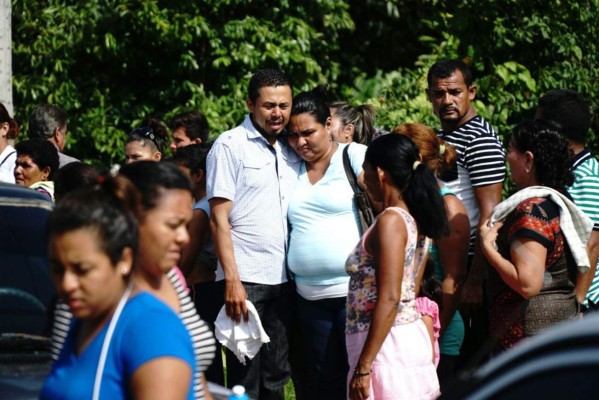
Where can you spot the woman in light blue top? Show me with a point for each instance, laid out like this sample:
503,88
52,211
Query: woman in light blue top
324,229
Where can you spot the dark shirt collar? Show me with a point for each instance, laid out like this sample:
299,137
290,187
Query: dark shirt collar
581,157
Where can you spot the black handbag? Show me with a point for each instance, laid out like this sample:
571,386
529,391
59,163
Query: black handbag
365,210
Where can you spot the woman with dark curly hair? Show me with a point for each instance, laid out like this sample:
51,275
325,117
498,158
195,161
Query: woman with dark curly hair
534,251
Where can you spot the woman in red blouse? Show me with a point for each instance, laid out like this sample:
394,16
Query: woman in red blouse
531,282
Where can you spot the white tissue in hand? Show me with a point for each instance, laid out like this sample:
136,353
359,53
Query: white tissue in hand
243,339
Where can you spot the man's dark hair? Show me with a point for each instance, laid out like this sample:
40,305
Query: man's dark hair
267,78
446,68
74,176
194,123
192,156
45,119
570,109
152,178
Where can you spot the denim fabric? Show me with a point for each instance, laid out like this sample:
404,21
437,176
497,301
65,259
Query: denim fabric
323,327
264,377
208,300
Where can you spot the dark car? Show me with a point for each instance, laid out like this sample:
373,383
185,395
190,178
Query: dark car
26,292
560,363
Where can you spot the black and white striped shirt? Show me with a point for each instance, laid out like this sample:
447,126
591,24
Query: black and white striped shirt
201,336
480,162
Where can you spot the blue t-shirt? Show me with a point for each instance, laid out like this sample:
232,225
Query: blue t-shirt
324,222
146,330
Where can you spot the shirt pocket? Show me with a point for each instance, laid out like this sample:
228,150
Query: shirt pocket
256,172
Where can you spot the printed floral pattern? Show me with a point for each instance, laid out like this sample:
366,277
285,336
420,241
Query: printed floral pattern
363,293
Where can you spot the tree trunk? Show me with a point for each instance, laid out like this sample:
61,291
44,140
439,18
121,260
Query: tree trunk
6,56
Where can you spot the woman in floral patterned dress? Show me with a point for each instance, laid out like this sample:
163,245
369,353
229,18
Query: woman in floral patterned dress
387,343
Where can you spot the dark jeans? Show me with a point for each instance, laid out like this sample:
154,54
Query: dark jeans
208,300
477,343
446,371
264,377
323,327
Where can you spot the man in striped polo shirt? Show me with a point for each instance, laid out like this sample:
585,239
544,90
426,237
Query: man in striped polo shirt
477,178
572,112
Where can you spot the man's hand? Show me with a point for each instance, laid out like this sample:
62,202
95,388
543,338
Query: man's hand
235,297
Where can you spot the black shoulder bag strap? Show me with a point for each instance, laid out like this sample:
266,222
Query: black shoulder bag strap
6,158
362,202
351,176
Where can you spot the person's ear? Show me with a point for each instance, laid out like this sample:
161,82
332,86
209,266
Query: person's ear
328,125
196,141
348,132
250,104
58,138
381,174
125,263
46,173
157,156
530,161
472,92
4,128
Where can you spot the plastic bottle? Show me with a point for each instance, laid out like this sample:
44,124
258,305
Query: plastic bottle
238,393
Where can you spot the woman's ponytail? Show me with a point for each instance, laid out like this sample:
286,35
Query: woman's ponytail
398,155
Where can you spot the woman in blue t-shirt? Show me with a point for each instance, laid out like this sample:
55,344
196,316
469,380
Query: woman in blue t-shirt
324,229
115,347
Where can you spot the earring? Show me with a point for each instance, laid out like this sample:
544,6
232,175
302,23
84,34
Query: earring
124,271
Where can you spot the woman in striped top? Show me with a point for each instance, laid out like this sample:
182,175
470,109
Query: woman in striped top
162,232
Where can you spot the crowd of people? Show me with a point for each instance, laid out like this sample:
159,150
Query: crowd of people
263,223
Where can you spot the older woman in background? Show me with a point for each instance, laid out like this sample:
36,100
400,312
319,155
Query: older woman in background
36,164
531,282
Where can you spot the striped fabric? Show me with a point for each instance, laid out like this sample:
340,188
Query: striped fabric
60,329
575,225
480,162
201,335
204,344
585,192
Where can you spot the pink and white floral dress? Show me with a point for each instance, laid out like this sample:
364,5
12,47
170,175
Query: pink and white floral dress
403,368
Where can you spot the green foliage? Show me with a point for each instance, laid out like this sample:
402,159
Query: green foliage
112,63
516,50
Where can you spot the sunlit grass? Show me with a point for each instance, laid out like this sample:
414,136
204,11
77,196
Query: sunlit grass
289,390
